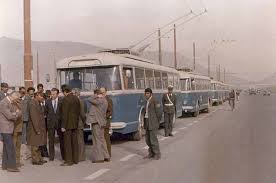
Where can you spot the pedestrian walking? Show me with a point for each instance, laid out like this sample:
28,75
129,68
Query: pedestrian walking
53,113
232,99
152,117
8,115
82,121
70,112
36,135
96,117
169,109
109,114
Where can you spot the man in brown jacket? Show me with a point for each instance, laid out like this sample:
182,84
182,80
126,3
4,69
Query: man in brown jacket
70,112
8,115
17,133
36,135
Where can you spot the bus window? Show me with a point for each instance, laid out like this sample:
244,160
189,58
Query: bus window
158,82
193,84
149,79
170,77
176,82
128,78
140,78
88,79
165,80
183,84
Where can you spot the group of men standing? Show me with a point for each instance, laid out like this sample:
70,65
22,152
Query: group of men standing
34,118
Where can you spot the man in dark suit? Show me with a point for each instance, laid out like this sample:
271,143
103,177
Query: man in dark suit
152,117
169,106
70,112
53,113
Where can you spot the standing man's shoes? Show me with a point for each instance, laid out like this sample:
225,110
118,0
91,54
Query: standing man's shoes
148,156
99,161
157,157
37,163
13,170
66,164
107,159
166,135
171,134
4,168
43,161
19,165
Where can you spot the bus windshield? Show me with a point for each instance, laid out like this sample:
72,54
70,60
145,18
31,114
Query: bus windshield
88,79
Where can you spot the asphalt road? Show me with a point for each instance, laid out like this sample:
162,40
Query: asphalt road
219,147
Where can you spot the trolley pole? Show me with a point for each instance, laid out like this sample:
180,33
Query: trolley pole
194,55
209,69
28,58
175,57
159,45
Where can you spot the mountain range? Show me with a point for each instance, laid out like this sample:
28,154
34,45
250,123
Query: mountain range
47,53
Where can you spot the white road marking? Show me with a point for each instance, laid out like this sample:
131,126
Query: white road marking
175,132
163,138
190,124
97,174
195,121
126,158
183,128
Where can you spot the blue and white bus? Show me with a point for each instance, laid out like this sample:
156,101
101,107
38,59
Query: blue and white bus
220,92
195,93
125,76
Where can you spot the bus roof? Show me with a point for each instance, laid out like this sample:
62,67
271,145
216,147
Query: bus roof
107,59
184,75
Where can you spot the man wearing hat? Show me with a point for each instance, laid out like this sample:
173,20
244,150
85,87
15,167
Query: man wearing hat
152,117
4,90
169,107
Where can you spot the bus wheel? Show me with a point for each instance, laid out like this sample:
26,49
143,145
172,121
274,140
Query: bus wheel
140,131
196,113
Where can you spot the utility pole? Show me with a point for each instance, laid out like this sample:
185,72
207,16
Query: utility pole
224,77
28,58
209,69
37,67
175,59
194,55
219,72
160,51
1,73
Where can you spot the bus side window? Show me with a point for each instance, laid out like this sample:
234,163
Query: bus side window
158,81
165,80
170,76
193,84
140,78
128,78
149,79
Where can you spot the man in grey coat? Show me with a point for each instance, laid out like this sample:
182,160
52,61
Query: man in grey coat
169,106
152,117
97,119
8,115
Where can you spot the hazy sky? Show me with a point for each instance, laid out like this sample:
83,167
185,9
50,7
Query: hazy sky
119,23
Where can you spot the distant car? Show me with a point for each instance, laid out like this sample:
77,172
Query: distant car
252,92
266,93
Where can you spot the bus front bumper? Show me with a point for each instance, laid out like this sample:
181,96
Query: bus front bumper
188,109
